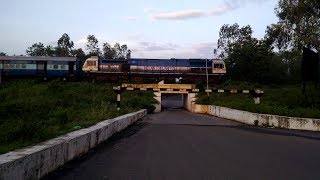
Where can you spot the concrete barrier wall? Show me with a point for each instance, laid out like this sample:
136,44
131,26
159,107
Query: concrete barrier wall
37,161
189,101
246,117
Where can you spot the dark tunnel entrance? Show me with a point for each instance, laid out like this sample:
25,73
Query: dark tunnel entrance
172,101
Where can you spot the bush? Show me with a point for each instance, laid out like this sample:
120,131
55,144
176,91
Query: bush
278,100
150,108
31,112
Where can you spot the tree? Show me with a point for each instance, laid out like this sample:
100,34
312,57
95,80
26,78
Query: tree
65,45
116,52
3,54
108,51
36,49
246,58
128,54
92,45
79,53
229,35
125,52
121,52
298,27
51,51
299,24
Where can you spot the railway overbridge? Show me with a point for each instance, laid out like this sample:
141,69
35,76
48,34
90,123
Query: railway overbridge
188,91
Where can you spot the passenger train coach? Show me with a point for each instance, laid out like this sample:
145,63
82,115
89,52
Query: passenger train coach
154,70
23,66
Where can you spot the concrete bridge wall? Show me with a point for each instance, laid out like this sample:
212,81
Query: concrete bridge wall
250,118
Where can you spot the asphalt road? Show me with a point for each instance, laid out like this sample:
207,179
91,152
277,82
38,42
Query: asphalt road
176,144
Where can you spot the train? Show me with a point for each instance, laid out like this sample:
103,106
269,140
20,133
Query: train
154,70
135,70
46,67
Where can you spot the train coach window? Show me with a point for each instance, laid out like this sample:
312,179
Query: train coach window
6,66
218,66
91,63
55,66
18,66
63,67
24,66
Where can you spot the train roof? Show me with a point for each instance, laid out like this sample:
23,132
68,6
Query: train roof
217,60
36,58
155,59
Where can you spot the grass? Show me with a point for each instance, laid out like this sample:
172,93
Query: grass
279,100
31,112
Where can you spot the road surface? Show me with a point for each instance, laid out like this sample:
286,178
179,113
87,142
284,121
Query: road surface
176,144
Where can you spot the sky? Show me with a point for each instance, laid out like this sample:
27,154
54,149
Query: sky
151,29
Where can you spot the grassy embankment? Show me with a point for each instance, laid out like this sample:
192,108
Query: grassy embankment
32,112
279,100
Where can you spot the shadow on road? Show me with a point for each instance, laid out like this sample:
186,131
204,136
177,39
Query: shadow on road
254,129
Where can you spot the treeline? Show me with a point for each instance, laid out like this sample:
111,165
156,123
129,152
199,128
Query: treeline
255,60
277,57
65,48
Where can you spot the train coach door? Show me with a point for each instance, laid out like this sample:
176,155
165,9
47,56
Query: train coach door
71,68
6,67
42,68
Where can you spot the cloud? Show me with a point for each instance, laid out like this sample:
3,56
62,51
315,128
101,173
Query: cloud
131,18
151,46
135,36
227,6
149,10
80,43
240,3
192,13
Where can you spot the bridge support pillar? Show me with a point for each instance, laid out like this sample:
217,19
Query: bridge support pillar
189,101
158,104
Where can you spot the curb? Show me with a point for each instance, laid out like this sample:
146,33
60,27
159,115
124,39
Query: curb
245,117
36,161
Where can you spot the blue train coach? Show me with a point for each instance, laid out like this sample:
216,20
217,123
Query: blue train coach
23,66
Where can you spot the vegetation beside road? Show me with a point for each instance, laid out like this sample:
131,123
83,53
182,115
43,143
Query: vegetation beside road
32,112
279,100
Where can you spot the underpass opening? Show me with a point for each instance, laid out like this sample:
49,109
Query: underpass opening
172,101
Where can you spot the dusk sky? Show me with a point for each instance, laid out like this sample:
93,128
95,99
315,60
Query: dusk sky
151,29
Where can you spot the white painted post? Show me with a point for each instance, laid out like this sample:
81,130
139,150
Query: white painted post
207,76
257,99
118,101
